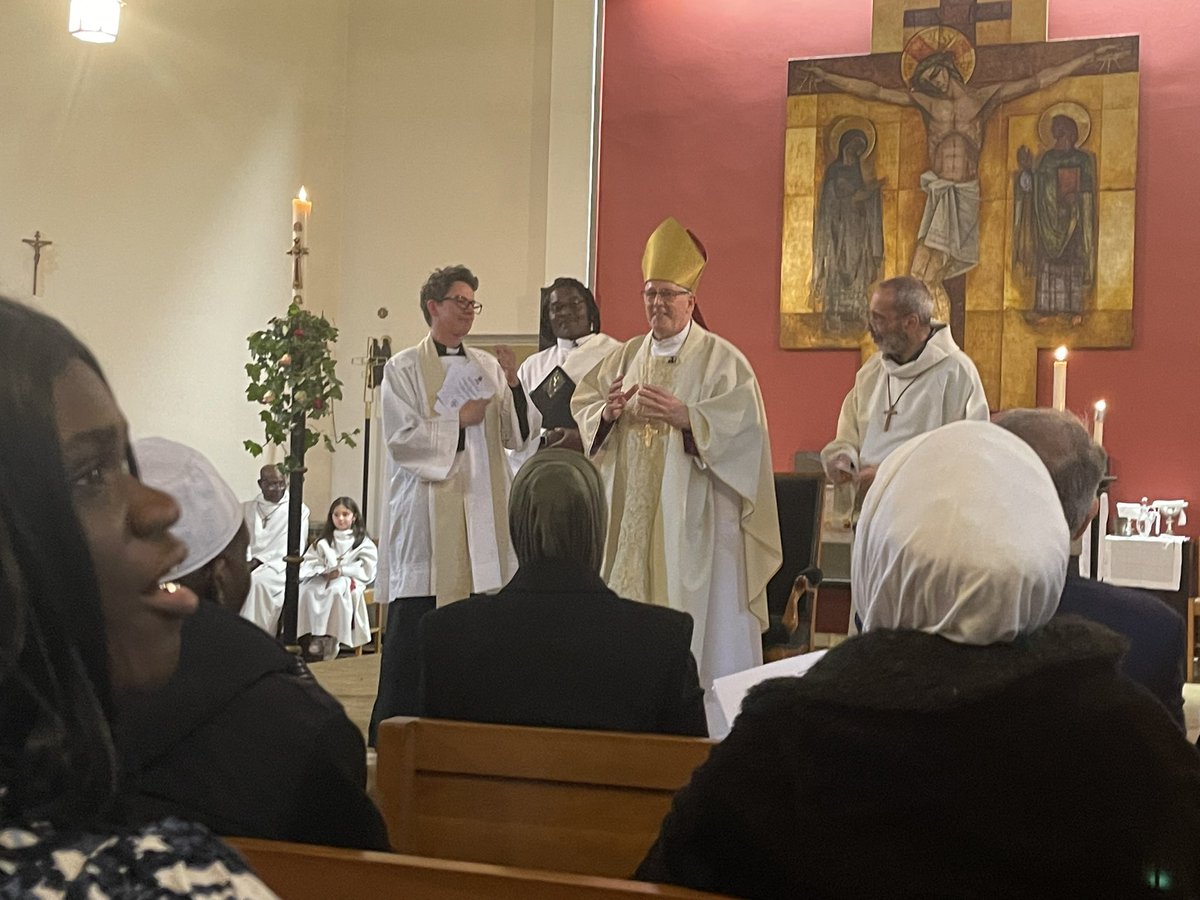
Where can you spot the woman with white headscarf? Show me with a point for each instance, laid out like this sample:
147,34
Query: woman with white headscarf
555,646
964,745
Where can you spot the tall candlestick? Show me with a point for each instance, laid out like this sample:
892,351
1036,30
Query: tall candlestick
301,208
1059,397
1098,422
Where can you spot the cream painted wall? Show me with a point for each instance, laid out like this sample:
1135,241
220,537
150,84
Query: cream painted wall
463,126
572,96
161,166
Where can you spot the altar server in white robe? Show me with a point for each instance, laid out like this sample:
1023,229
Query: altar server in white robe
675,421
571,345
917,380
267,521
445,525
334,575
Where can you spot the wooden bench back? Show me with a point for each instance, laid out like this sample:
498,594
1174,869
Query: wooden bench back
306,872
567,800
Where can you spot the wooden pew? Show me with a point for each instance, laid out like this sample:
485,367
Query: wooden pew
306,872
566,800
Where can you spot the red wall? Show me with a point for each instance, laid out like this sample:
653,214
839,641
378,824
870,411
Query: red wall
692,125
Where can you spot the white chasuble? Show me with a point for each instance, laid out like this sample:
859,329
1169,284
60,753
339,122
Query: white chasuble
267,525
699,533
445,524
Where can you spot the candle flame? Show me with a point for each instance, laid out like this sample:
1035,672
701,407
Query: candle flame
1060,354
1101,406
303,195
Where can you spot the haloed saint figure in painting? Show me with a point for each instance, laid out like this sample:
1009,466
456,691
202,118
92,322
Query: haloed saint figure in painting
1054,227
847,229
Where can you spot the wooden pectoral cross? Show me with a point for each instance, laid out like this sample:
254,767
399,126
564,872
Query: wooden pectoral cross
887,417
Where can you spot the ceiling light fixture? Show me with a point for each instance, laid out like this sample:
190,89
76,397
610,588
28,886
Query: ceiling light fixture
95,21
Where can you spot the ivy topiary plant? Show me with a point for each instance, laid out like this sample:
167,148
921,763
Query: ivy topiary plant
292,375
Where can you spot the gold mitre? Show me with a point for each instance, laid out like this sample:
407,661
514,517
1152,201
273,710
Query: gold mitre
673,255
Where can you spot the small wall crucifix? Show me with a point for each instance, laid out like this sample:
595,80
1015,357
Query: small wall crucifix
37,244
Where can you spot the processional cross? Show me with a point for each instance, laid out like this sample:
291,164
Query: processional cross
948,94
37,244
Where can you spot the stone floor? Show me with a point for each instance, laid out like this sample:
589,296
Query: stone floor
353,680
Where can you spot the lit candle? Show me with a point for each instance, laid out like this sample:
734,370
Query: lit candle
1098,422
1059,397
301,207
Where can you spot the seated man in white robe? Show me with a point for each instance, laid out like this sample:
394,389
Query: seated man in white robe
267,521
674,420
570,345
917,381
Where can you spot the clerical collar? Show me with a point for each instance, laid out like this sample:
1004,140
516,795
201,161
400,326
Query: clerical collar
567,345
672,345
443,350
933,329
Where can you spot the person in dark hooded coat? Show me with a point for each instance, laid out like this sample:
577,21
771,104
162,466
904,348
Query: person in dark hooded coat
242,738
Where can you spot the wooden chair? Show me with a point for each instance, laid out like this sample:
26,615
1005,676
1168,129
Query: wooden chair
800,498
568,800
380,620
306,872
1192,650
1190,583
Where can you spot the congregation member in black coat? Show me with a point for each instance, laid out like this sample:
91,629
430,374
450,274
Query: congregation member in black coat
1155,632
555,647
964,745
242,738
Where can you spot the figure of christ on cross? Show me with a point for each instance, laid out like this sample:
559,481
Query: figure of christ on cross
954,116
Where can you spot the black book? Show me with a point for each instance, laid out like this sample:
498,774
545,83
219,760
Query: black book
553,399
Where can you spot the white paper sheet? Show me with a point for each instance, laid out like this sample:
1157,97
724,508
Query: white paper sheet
1100,545
732,688
1085,553
464,381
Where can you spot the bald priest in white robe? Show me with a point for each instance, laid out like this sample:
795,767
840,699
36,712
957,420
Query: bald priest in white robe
675,421
267,522
449,412
917,380
571,345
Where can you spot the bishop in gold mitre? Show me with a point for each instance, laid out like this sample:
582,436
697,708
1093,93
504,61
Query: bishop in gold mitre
674,420
674,255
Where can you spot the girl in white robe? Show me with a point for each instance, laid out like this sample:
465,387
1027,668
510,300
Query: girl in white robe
334,576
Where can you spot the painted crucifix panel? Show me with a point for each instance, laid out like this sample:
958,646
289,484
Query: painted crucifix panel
968,151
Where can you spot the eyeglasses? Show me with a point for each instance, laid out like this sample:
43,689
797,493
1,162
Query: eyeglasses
650,294
465,304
